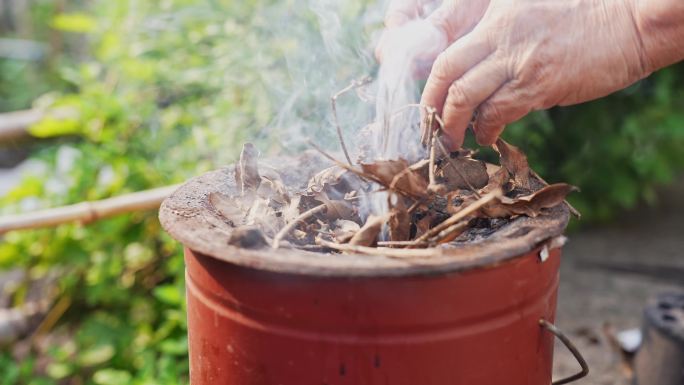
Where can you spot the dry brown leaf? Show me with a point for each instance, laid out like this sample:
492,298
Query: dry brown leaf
264,216
515,161
458,199
229,208
247,237
338,209
345,230
547,197
422,167
272,187
368,234
396,175
247,169
530,205
329,176
499,179
470,173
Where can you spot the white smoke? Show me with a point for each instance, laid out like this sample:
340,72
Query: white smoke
376,120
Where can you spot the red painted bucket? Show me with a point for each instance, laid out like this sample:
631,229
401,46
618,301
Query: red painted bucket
289,317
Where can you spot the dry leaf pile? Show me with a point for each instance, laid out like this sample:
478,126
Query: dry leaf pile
432,202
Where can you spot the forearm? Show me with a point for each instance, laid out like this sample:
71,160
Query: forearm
661,28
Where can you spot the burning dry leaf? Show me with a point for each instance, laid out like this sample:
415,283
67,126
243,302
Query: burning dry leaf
247,169
422,167
396,174
338,209
329,176
530,205
549,196
272,189
458,199
368,234
499,179
264,216
247,237
229,208
465,195
345,230
513,160
463,173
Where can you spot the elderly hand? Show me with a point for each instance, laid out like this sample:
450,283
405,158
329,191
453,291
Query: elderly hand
506,58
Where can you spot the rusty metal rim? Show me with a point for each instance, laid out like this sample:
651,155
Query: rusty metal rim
188,216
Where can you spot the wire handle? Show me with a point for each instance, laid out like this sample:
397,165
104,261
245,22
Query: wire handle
572,348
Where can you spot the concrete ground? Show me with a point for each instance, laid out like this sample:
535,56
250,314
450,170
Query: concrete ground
608,274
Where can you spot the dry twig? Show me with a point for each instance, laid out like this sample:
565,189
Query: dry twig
291,225
401,243
333,102
470,209
360,173
380,251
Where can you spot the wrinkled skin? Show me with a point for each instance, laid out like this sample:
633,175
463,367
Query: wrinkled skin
505,58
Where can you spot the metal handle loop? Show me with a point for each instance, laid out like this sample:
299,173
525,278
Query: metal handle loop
572,348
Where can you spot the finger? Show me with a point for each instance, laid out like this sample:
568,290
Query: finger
451,65
458,17
505,106
399,12
467,93
418,42
398,15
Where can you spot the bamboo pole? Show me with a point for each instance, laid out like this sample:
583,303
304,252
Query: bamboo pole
86,212
14,125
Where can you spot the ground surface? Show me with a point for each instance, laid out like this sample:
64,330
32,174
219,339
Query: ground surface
607,275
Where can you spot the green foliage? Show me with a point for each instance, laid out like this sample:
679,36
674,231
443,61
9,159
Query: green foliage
167,90
617,149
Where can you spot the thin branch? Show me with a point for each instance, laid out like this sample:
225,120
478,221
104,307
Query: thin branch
333,101
414,206
380,251
86,212
401,243
431,168
291,225
444,235
455,218
358,172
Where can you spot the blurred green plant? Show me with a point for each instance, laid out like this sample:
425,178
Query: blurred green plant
166,90
618,149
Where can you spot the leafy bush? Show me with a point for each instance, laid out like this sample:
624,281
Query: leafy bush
170,89
617,149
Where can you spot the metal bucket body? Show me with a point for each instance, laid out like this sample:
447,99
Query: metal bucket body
475,327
